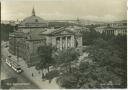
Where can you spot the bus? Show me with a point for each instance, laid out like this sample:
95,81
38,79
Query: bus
16,67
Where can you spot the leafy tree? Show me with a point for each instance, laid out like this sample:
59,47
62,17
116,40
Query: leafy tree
107,68
104,54
67,80
119,44
66,60
46,54
5,30
90,36
66,57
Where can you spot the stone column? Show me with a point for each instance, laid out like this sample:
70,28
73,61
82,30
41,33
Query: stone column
53,41
66,42
61,43
79,41
72,41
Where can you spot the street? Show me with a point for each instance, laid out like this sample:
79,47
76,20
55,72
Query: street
8,72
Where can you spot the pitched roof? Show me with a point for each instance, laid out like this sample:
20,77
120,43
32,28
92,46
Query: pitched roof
54,31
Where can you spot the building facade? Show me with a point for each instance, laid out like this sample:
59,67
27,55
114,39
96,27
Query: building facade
33,32
117,28
25,41
63,38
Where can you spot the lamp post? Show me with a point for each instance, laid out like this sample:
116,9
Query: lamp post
17,50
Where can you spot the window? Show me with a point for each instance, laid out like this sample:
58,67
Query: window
36,20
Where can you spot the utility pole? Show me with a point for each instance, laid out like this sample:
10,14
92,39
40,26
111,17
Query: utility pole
0,44
17,49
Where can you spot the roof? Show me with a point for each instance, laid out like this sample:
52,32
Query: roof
116,27
49,31
108,27
33,21
100,27
121,27
111,28
17,34
75,31
54,31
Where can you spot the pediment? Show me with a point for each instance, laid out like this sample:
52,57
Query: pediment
63,32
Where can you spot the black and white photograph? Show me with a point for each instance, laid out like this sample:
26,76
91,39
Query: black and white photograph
63,44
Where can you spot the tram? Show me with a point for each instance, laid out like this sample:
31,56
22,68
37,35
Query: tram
16,67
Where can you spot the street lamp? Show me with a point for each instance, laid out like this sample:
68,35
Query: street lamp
17,51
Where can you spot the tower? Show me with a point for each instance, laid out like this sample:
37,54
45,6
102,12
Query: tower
33,12
78,21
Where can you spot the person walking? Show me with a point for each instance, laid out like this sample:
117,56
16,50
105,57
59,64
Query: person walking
32,74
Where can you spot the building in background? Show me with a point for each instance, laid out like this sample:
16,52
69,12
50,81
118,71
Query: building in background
114,28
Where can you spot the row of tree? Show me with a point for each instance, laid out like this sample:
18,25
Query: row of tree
5,30
107,69
105,66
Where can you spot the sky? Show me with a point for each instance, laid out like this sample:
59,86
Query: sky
97,10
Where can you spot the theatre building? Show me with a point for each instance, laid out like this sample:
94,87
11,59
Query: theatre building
33,32
63,38
25,41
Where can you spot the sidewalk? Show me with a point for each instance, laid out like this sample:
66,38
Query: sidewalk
37,79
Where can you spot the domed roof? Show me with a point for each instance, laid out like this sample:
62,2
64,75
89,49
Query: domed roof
33,21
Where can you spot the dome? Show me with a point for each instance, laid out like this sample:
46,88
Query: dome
33,21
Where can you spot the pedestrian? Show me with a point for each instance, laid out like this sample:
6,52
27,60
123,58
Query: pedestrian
42,75
32,74
50,80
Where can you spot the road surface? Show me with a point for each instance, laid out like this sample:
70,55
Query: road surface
8,72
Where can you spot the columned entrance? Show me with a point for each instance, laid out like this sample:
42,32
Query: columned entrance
63,42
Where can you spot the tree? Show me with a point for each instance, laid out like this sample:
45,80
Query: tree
5,30
67,80
106,54
46,54
90,36
120,44
66,57
105,70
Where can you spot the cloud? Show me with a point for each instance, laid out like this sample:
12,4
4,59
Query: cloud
65,9
57,15
101,18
